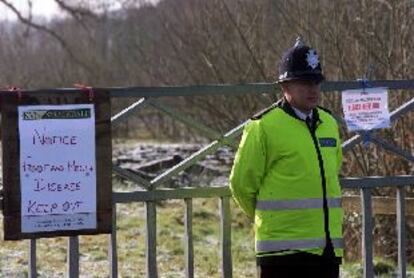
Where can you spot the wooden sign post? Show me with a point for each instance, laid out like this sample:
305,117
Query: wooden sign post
57,161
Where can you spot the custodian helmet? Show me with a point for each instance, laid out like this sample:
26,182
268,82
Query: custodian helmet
300,62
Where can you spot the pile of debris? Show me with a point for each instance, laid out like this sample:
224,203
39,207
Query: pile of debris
150,160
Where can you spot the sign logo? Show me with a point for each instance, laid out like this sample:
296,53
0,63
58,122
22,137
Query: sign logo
56,114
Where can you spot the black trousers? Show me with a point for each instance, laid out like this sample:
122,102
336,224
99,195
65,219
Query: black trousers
298,265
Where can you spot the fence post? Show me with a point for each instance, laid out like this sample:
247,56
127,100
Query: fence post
188,239
401,232
367,233
225,237
73,257
113,255
32,259
151,239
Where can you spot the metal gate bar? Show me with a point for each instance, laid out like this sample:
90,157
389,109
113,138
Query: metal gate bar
402,260
32,258
188,238
367,237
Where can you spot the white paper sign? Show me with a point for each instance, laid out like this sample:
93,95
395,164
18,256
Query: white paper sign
366,109
57,167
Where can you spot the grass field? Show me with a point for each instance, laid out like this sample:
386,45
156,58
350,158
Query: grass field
131,246
51,253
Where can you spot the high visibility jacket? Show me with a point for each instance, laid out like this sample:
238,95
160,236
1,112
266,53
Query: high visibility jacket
282,172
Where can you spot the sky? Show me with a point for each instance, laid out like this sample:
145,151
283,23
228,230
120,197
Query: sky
46,8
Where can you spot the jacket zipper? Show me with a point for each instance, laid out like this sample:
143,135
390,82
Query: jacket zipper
328,250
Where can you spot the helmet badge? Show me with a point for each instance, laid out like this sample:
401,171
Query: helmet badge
312,58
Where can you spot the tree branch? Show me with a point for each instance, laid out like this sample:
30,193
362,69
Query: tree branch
50,32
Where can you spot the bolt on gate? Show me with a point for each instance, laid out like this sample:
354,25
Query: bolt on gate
150,96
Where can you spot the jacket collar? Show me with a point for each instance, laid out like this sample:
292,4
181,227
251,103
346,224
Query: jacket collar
302,115
285,106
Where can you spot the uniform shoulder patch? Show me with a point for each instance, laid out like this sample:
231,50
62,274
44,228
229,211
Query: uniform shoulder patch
325,109
327,142
260,114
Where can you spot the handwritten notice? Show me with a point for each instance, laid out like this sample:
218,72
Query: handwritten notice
57,167
366,109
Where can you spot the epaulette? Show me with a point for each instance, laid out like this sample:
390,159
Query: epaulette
260,114
325,109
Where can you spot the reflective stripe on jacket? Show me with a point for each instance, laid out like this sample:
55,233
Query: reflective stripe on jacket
277,180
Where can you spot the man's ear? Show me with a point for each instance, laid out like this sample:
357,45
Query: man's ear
285,87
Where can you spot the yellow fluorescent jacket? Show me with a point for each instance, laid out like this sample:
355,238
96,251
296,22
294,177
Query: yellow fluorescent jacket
277,180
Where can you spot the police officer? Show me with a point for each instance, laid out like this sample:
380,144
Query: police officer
285,176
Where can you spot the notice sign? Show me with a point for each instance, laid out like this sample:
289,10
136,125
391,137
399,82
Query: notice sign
366,109
57,167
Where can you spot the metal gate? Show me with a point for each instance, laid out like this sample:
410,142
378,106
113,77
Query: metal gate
152,96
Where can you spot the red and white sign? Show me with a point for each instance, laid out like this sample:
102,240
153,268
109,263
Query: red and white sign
366,109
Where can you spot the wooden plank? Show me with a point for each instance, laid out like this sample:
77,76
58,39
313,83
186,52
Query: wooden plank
381,205
168,194
367,251
401,230
188,239
225,237
151,240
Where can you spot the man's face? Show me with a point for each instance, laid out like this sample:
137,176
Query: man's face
302,94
